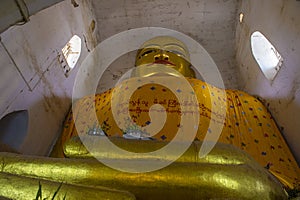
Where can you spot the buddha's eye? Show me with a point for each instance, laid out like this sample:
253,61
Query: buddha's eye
176,52
147,52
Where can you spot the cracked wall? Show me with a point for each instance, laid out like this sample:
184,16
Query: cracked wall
212,23
33,78
279,21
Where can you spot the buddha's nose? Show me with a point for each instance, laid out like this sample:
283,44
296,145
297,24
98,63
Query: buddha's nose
161,55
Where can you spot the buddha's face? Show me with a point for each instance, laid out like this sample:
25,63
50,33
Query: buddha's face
165,50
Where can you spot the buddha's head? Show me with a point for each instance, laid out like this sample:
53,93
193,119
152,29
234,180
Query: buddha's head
164,50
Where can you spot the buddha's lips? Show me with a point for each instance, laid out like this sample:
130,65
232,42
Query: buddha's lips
165,62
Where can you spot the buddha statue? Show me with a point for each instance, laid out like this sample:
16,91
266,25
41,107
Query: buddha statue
226,172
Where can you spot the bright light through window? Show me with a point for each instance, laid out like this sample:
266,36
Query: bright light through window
265,54
72,51
241,17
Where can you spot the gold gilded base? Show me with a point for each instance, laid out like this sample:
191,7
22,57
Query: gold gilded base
230,176
24,188
222,154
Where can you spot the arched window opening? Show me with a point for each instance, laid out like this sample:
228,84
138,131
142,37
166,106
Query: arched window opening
13,130
241,17
266,55
71,53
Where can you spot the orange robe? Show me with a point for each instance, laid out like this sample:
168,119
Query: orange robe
247,125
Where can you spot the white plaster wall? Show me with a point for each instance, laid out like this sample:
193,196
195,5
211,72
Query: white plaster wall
279,21
40,85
